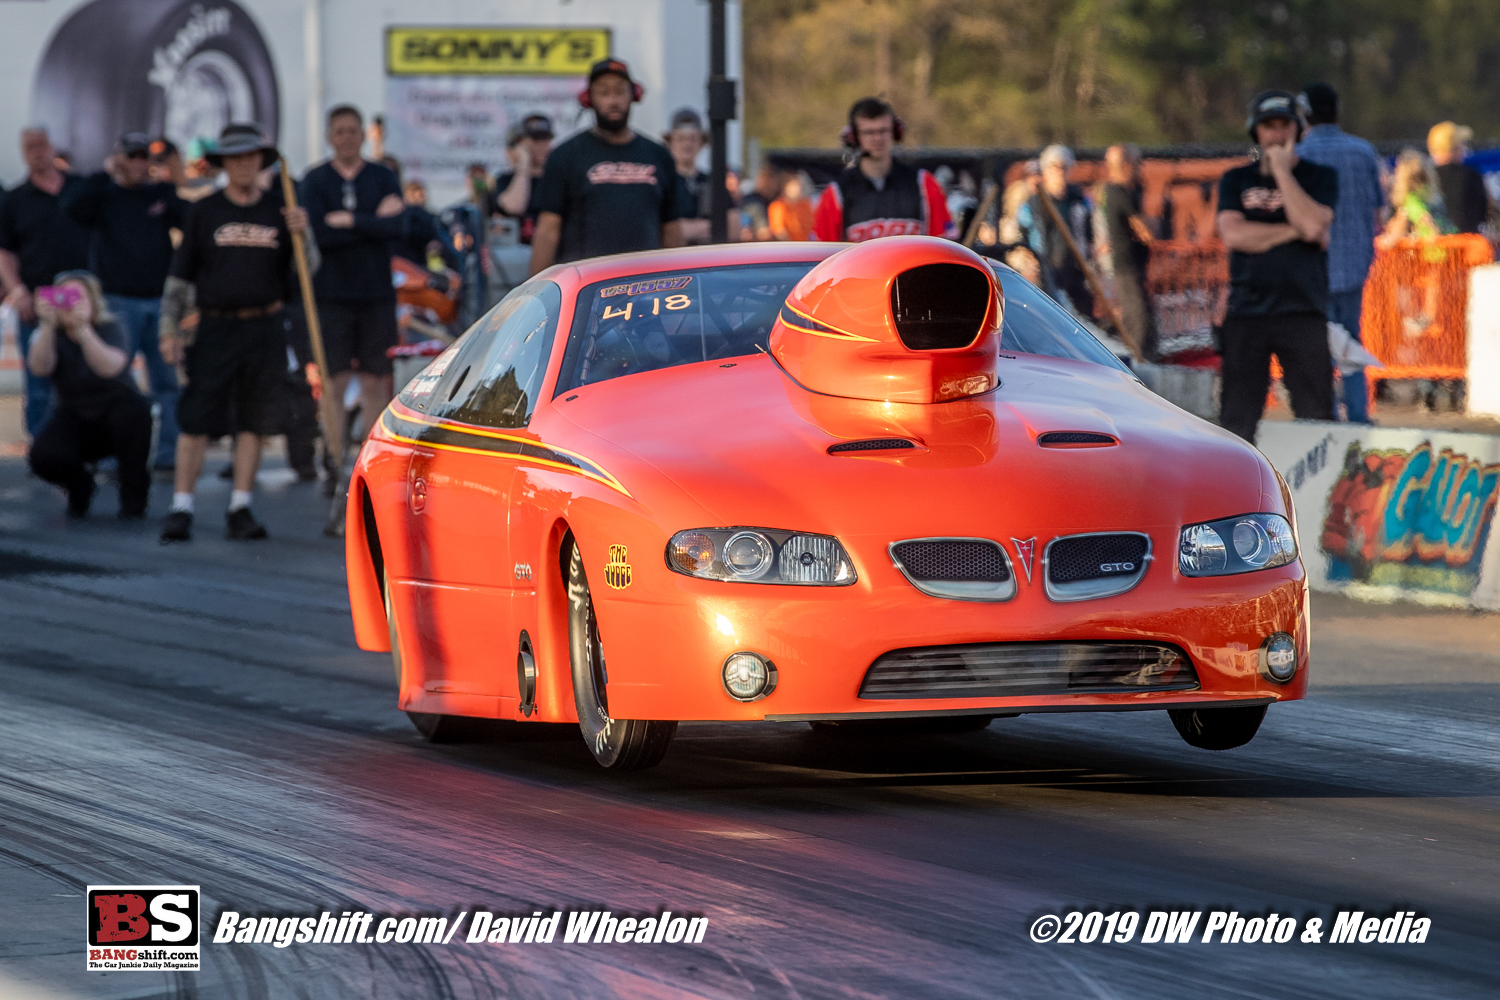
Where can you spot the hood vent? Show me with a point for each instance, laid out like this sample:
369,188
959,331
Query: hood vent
1076,439
874,444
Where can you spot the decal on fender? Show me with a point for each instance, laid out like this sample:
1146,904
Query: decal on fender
617,571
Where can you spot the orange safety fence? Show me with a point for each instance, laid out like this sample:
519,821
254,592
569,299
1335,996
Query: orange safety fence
1415,307
1413,316
1188,281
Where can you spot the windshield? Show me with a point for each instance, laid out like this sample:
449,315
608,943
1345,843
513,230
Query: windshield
1035,324
646,322
652,321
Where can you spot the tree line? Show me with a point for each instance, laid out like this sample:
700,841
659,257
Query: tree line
1091,72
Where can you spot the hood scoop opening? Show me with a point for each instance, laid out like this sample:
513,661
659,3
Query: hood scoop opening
939,307
1076,439
873,444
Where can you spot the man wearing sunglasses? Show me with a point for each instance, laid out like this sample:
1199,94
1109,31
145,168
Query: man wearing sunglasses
355,207
129,218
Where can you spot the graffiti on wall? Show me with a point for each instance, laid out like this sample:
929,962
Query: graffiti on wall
1416,518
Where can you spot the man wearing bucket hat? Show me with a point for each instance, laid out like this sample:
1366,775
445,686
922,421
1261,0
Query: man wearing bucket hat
1274,215
235,261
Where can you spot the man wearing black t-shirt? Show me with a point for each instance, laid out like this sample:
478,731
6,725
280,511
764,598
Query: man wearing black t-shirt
37,241
355,208
518,190
235,260
130,219
607,190
1274,216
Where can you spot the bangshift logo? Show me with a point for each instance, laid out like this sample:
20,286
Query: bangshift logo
142,928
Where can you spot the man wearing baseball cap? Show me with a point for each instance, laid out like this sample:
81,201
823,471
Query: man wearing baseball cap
608,189
527,146
130,219
1464,196
1275,215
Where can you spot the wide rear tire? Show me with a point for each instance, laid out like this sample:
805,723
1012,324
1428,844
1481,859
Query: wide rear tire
1217,728
434,728
618,744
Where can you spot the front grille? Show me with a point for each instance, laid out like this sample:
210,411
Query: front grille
1028,669
1093,557
874,444
957,559
1063,439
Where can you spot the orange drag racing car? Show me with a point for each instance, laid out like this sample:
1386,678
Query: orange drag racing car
886,486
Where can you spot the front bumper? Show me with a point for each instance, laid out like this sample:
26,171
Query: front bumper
667,636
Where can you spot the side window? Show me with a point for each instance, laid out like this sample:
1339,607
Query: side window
493,381
418,393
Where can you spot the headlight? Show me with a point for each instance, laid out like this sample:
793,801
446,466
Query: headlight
1236,545
760,555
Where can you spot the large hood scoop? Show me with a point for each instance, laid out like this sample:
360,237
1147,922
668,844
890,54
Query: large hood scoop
903,319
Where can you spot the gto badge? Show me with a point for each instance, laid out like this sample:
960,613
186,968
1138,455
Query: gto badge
1125,567
523,571
617,570
1025,550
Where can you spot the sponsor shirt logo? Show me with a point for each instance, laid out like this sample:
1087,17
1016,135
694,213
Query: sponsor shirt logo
1262,199
246,234
614,172
617,570
876,228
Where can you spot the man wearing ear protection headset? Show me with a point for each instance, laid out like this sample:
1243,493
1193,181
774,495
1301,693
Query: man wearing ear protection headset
1275,216
608,189
879,195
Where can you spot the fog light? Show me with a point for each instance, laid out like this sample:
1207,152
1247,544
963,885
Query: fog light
1278,657
748,677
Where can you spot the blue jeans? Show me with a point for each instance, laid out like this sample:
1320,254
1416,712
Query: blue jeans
1344,307
38,389
139,319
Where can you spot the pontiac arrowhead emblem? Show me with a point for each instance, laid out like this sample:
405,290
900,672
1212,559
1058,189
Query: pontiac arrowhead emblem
1025,550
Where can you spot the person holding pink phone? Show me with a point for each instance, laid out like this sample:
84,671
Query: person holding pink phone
98,411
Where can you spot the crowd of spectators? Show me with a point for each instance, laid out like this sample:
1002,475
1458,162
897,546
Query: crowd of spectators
183,259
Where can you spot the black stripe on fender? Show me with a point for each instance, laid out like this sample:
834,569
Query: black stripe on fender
434,434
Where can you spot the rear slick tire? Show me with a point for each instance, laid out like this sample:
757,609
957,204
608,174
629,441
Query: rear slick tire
1217,728
618,744
434,728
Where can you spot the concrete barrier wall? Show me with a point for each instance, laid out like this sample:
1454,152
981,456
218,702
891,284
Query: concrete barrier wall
1391,513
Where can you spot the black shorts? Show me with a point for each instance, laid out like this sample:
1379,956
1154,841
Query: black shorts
356,335
236,376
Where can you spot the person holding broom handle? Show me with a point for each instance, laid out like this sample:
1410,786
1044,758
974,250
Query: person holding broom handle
235,261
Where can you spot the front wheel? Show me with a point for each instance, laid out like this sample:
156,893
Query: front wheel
1217,728
618,744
